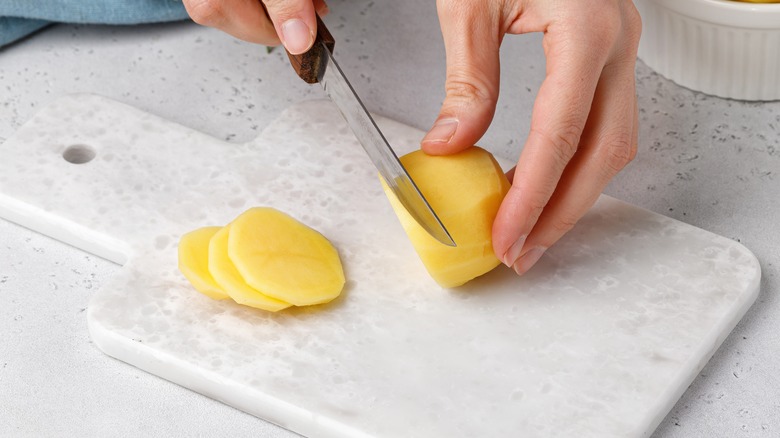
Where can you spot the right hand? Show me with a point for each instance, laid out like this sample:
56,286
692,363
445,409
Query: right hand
290,22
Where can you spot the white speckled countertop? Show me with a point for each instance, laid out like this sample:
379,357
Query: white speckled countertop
706,161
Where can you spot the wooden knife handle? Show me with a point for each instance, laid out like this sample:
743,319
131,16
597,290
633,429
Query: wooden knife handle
307,64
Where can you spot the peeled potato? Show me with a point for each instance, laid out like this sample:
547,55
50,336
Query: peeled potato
194,262
465,190
284,258
231,281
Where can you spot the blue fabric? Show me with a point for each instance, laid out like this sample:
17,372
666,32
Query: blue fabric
21,17
12,28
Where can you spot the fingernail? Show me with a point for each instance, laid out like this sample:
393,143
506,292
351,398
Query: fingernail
528,260
296,36
513,253
442,132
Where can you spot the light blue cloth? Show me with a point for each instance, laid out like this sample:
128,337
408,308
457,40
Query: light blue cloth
22,17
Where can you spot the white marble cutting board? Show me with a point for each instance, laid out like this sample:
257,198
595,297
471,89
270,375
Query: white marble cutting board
599,340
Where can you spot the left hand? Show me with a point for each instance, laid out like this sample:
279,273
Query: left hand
584,122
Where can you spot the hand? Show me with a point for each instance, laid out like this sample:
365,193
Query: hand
292,22
584,122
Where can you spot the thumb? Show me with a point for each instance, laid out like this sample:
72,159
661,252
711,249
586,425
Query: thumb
295,23
471,41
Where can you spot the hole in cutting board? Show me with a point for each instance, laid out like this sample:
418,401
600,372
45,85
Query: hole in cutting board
79,154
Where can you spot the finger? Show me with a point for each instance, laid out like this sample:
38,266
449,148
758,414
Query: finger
321,8
244,19
471,44
559,115
635,136
608,144
510,174
295,23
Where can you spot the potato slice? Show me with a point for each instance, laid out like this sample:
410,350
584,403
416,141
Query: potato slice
465,190
194,263
231,281
284,258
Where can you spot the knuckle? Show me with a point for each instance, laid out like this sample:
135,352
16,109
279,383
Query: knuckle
205,12
633,23
281,10
609,29
623,36
604,28
536,204
564,142
533,200
609,26
535,209
472,91
563,224
617,152
277,6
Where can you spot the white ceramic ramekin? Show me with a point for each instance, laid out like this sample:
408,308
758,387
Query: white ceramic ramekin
720,47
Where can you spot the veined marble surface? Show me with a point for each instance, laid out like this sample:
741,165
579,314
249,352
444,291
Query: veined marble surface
599,341
705,161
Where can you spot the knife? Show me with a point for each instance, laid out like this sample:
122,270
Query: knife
318,66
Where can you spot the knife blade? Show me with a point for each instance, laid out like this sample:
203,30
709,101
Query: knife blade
318,66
